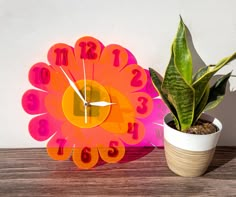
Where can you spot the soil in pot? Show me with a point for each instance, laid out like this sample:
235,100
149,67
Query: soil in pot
202,127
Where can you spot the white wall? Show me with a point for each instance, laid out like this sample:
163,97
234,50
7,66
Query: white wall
146,27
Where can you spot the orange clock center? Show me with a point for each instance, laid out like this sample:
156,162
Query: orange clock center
75,110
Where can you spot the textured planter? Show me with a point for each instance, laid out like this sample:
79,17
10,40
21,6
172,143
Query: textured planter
189,155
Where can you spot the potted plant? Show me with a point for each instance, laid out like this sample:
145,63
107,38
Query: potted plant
190,136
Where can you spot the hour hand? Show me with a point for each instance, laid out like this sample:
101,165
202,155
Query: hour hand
72,84
101,103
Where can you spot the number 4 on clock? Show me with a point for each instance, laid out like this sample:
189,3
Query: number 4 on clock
133,129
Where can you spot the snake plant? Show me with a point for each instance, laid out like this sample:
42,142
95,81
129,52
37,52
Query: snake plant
186,94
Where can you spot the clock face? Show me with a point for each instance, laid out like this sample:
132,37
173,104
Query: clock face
91,102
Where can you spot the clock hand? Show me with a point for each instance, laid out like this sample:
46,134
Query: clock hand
85,95
72,84
101,103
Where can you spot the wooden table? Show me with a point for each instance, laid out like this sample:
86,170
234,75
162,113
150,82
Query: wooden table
30,172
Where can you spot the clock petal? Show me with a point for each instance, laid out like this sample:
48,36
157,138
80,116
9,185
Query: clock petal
112,151
40,75
33,101
142,103
134,133
46,78
87,52
85,156
115,57
59,147
62,55
133,78
43,127
85,153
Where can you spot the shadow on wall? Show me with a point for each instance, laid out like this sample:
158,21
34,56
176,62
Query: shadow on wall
225,111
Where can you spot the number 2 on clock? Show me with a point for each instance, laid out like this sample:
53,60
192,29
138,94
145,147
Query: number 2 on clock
136,81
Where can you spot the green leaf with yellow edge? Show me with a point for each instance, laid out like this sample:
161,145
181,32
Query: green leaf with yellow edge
205,74
182,55
201,72
180,94
217,92
157,82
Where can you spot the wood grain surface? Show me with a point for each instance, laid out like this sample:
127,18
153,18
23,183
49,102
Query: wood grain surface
30,172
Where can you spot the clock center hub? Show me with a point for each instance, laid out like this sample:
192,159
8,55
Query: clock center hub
75,110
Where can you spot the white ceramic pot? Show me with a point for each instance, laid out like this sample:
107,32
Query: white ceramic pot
189,155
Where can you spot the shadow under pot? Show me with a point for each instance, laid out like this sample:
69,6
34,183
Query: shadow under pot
189,155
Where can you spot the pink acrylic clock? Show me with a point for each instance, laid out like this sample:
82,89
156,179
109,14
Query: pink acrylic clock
91,102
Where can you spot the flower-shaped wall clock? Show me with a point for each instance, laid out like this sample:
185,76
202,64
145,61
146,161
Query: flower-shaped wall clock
91,102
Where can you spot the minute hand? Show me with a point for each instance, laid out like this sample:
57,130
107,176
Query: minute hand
72,84
101,103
